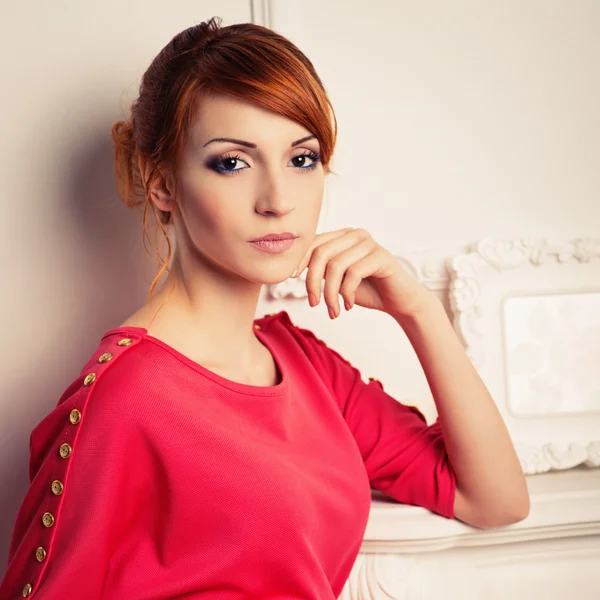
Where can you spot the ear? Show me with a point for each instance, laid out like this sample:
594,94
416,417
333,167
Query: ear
161,191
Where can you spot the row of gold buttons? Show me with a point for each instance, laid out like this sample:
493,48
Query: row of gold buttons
65,452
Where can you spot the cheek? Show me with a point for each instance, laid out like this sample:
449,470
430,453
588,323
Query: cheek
207,211
210,213
313,202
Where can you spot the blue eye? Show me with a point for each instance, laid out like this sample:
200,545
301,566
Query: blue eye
225,164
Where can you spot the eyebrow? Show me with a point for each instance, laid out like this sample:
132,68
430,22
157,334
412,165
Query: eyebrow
251,145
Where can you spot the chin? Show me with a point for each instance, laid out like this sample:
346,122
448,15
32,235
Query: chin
274,279
272,275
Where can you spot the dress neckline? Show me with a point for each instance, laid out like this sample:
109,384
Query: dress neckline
243,388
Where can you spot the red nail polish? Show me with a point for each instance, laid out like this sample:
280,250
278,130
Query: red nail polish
312,300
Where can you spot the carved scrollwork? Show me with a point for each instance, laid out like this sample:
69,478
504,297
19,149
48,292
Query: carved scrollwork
384,576
464,276
551,457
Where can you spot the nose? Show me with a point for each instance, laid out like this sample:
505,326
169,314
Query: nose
274,197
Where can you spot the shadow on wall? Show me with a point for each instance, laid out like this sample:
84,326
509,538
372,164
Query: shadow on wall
100,274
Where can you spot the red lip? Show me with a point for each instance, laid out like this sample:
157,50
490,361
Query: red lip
286,235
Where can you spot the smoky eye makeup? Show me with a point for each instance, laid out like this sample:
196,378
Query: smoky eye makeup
231,163
226,162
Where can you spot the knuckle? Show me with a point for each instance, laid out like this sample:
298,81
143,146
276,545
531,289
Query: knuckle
352,273
318,253
334,266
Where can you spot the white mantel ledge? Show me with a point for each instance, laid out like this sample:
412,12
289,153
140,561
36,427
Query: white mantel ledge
563,504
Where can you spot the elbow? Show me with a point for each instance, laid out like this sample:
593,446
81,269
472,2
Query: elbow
518,507
485,519
509,516
488,515
521,510
524,506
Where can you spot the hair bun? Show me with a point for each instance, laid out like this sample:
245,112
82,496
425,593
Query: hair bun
126,169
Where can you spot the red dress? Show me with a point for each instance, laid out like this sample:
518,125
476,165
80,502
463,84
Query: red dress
155,478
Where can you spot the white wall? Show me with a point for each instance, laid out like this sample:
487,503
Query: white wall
457,121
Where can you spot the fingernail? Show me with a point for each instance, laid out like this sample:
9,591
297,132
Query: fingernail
312,300
295,273
346,305
331,313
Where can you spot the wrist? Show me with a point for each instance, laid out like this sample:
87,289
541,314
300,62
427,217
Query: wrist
427,307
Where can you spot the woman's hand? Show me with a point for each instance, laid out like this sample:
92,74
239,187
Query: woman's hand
354,265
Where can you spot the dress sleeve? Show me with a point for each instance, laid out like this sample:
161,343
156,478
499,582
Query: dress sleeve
85,468
405,457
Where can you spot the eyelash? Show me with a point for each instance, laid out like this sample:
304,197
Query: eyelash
214,164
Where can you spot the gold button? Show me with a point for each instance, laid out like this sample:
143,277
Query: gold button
295,324
125,342
65,451
40,554
257,326
373,379
57,487
48,519
270,314
75,416
105,357
89,379
27,590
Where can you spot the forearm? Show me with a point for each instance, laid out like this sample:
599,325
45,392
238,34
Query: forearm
488,472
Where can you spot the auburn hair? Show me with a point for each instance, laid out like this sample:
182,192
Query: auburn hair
244,60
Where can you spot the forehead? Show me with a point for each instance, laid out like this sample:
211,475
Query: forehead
228,116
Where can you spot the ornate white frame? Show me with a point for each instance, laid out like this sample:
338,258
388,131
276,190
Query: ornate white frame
479,279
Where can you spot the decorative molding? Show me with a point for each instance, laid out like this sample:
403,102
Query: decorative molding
384,576
260,11
552,457
467,573
466,287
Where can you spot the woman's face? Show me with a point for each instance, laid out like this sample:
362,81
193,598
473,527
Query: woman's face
269,181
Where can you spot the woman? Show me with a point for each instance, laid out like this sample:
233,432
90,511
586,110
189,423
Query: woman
203,453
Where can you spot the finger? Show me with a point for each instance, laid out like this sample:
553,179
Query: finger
320,239
322,255
358,271
336,270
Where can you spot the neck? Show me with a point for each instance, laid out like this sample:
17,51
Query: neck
211,307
